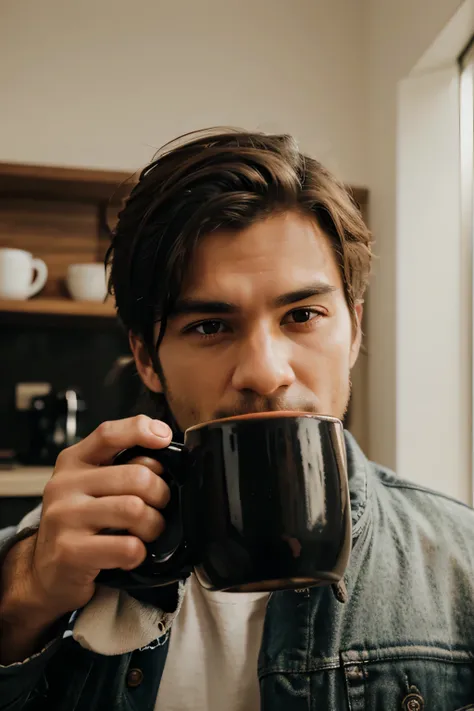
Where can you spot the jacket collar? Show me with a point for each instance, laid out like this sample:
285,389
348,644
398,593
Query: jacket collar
358,467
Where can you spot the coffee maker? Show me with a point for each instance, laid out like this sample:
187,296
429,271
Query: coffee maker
55,421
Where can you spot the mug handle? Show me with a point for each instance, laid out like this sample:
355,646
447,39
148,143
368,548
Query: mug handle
167,560
40,279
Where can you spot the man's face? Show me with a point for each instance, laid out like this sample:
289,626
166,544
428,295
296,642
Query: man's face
262,324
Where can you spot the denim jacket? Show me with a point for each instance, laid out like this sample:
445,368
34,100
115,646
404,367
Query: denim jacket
403,640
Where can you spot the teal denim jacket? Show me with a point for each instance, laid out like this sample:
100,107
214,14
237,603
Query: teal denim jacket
403,641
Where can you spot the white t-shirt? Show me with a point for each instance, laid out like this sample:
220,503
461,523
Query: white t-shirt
213,653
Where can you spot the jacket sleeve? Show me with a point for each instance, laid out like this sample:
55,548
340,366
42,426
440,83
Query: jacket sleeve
21,681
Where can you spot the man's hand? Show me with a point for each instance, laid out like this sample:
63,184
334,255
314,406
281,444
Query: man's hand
54,573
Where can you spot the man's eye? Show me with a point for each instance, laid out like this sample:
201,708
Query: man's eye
209,328
302,315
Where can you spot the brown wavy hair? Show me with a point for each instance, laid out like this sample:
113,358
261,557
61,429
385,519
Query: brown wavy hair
213,179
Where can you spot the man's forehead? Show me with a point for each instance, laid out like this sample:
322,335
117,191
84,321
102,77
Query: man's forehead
280,254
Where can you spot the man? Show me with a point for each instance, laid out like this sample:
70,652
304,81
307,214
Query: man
239,268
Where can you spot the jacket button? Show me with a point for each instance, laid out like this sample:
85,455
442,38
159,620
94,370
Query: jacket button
135,678
413,702
355,673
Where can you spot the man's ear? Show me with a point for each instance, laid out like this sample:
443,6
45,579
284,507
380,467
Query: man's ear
144,365
357,333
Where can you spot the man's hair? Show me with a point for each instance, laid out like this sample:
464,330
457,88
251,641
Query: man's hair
221,179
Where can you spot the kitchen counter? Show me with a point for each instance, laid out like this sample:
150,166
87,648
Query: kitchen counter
24,481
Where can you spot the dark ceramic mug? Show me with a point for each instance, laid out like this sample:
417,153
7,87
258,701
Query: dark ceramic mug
259,502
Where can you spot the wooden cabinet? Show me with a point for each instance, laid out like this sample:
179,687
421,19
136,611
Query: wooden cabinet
61,215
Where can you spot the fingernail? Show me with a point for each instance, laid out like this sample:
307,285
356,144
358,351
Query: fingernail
159,428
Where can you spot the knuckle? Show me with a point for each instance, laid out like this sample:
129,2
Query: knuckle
105,431
141,475
134,507
134,551
62,458
50,490
154,528
142,423
54,513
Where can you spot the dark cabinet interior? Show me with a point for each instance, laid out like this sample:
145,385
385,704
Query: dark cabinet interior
66,357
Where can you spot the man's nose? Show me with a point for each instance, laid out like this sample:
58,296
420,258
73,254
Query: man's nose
263,364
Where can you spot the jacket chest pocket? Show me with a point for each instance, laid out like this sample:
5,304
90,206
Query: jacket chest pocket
409,679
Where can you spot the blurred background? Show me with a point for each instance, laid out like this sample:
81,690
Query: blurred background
379,91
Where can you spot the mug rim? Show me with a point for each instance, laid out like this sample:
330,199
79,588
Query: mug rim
15,249
271,415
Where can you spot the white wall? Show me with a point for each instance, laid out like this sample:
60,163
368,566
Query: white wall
398,35
434,266
433,289
103,83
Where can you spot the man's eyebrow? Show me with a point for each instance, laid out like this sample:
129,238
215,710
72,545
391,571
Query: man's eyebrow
306,292
188,306
202,306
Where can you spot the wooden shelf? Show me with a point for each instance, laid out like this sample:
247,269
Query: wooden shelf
59,307
87,184
24,481
52,182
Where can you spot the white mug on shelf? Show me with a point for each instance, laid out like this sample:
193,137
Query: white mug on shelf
87,282
17,268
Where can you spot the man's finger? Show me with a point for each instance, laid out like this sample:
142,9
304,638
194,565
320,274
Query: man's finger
110,438
127,512
120,480
108,552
